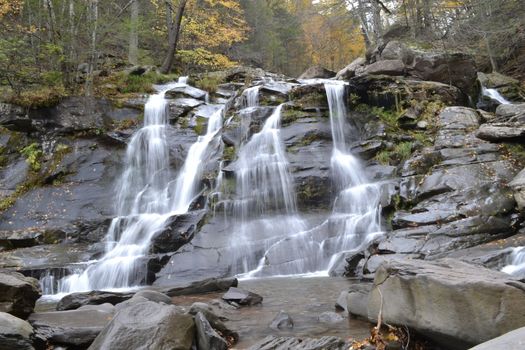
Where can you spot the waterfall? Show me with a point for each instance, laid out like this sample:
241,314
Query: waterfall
516,264
251,96
266,197
147,197
356,211
495,95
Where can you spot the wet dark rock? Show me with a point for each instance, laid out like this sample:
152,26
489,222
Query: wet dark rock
15,118
491,302
387,67
83,194
513,340
199,287
284,343
350,71
75,328
242,297
18,293
75,300
317,72
178,231
15,333
20,238
282,321
132,327
186,91
207,337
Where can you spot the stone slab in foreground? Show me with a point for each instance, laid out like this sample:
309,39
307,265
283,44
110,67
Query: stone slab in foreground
455,303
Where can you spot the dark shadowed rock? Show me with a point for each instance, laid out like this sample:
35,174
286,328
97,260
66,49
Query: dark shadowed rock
242,297
179,230
514,340
317,72
18,293
282,321
75,328
205,286
207,337
455,303
15,333
75,300
458,69
147,325
285,343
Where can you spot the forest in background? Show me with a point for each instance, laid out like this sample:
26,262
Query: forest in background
51,48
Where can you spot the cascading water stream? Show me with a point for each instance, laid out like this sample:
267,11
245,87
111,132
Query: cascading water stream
265,192
146,198
516,264
356,211
495,95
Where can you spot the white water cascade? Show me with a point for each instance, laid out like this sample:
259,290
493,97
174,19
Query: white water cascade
265,208
495,95
356,213
516,264
147,196
265,186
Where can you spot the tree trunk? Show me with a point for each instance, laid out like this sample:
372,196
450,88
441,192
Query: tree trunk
493,63
51,20
93,11
133,52
173,35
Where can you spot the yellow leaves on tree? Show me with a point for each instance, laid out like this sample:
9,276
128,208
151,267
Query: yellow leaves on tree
10,7
213,24
332,41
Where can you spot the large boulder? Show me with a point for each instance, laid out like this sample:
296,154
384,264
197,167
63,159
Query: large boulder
207,337
514,340
387,67
317,72
18,293
75,300
501,132
75,328
458,69
15,333
350,70
147,325
454,303
395,50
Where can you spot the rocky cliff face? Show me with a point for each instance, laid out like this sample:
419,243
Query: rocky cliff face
445,169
